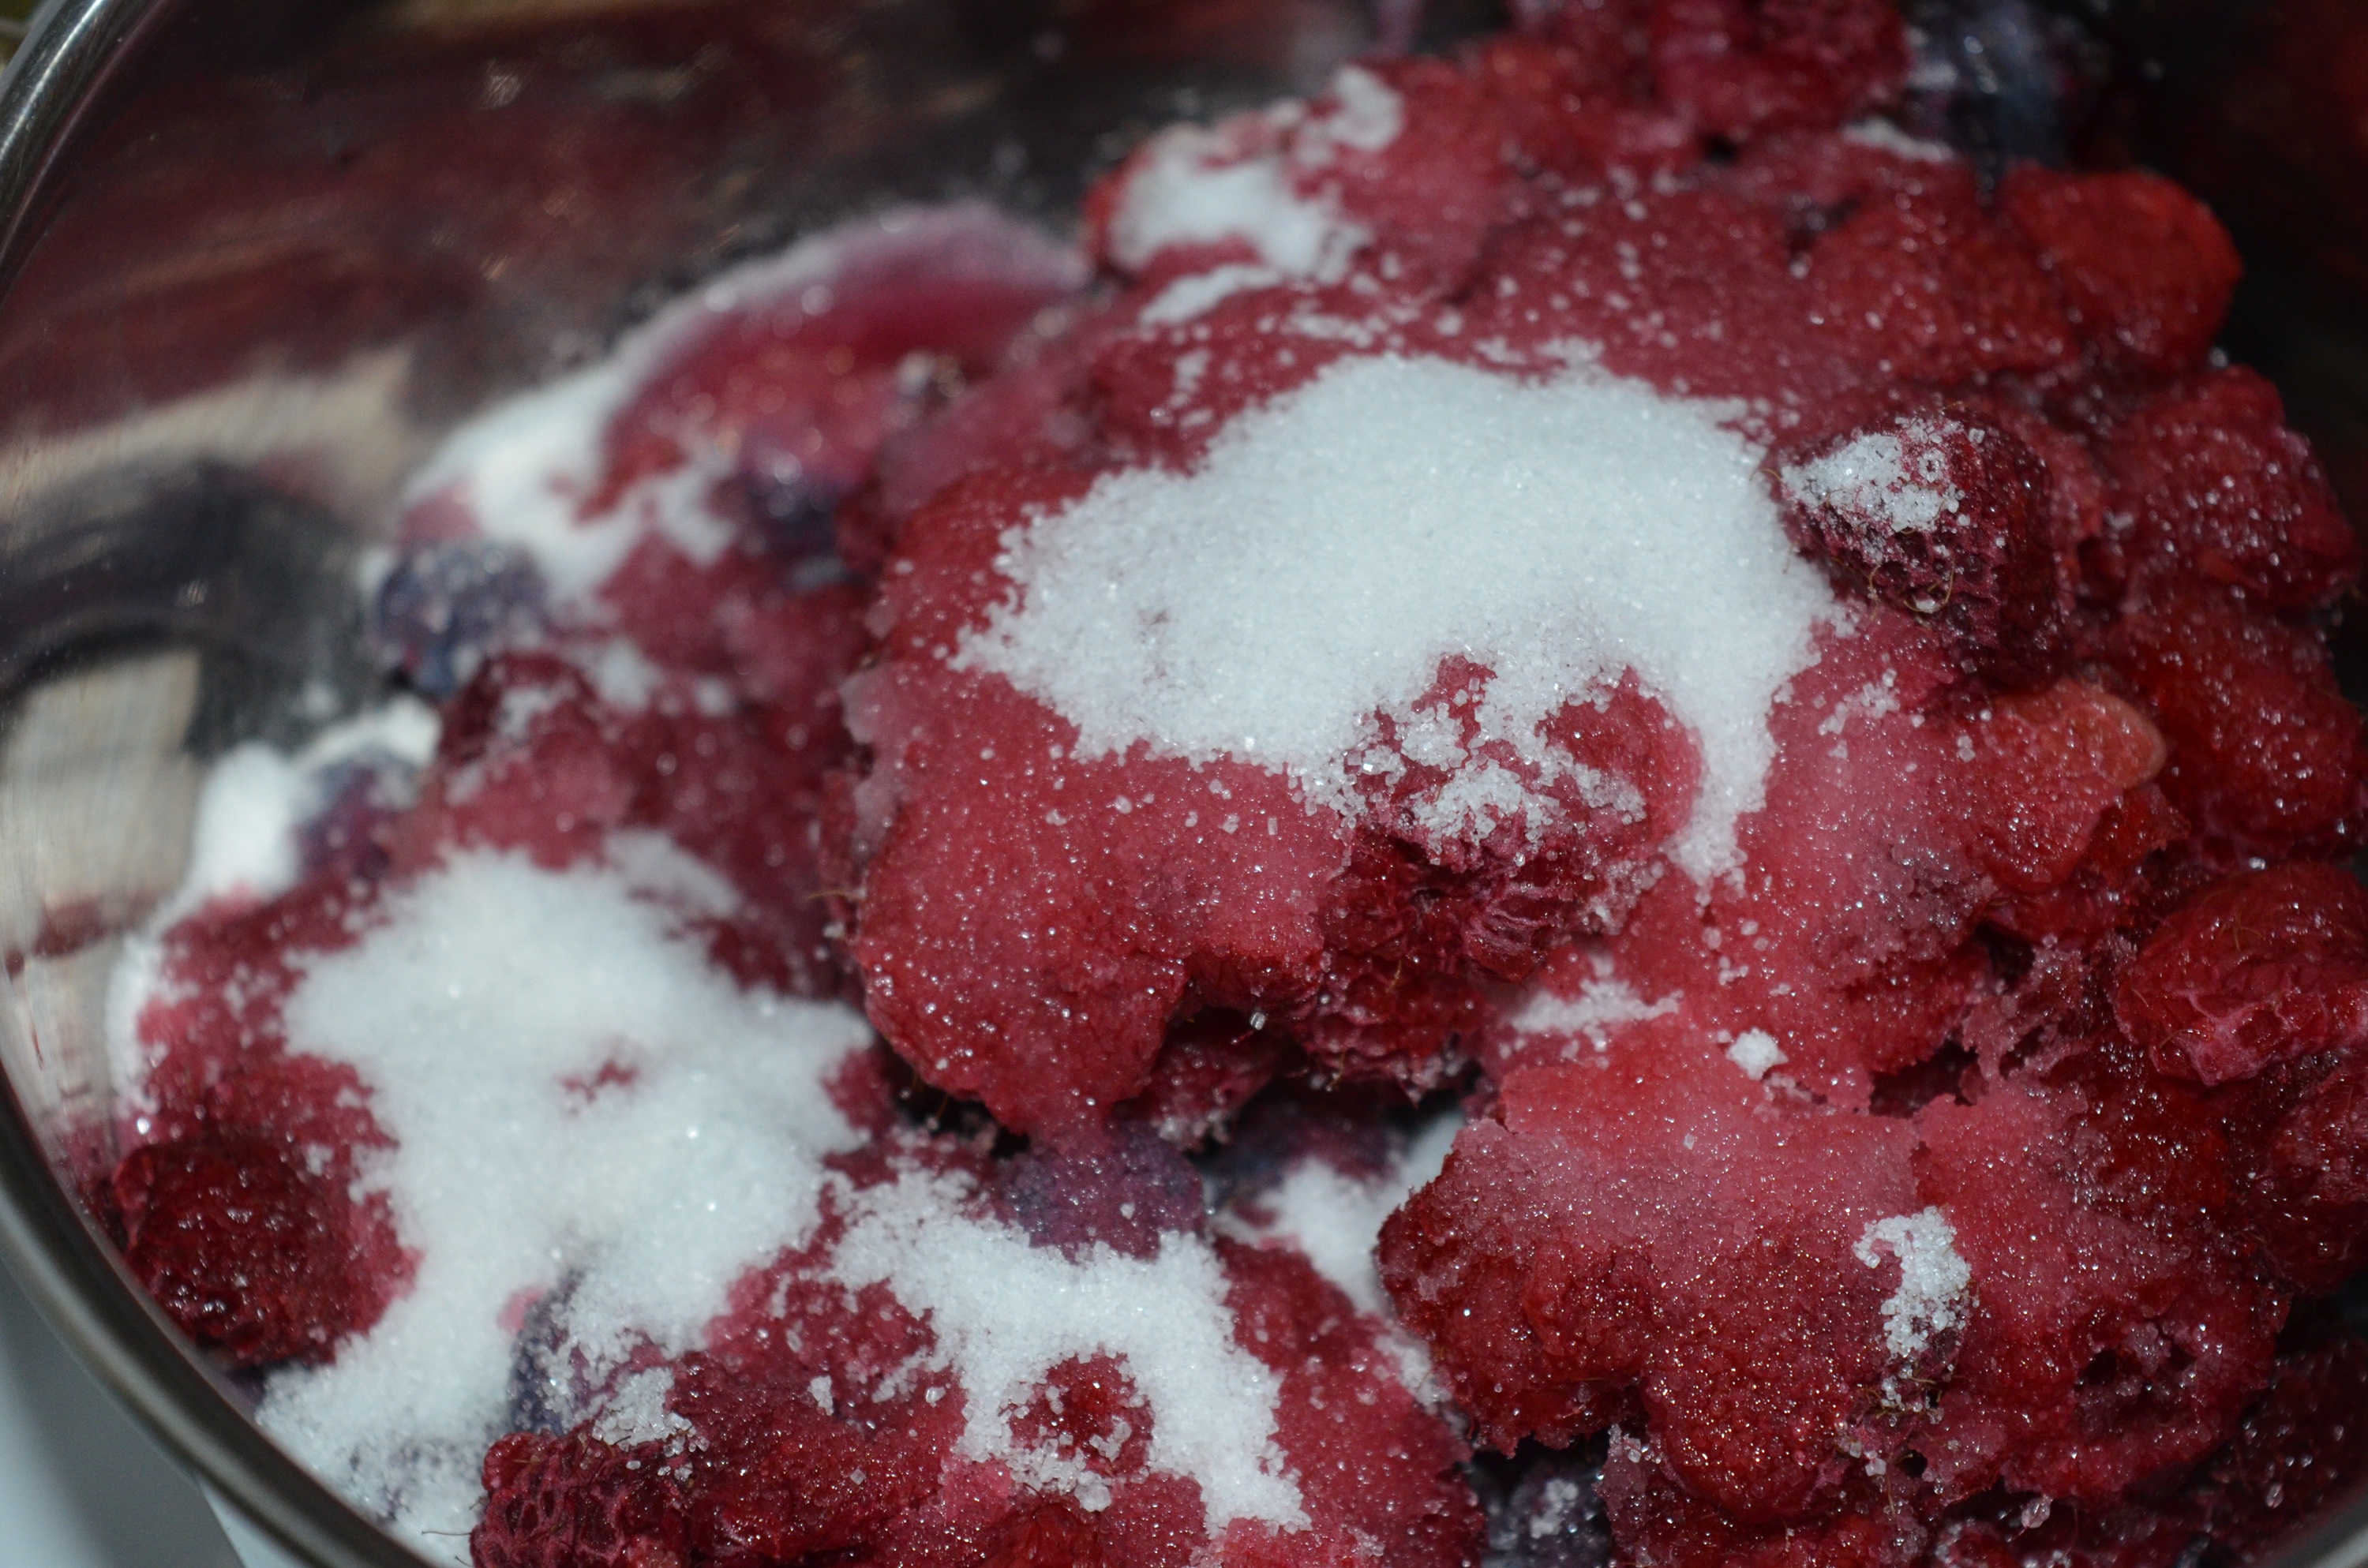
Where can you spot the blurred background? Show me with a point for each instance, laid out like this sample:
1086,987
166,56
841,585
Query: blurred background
81,1486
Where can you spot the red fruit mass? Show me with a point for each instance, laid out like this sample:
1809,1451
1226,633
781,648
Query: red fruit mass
575,1501
1986,574
2267,758
2145,269
256,1257
1739,67
818,1426
2261,969
1947,1183
2211,482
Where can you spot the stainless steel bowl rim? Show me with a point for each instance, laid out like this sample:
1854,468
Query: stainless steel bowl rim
69,1273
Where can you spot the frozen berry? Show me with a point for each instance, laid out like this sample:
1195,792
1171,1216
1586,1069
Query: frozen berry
578,1502
2262,968
2211,481
255,1256
1943,516
2144,267
1745,66
2267,758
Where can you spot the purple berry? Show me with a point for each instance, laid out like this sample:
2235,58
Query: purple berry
446,607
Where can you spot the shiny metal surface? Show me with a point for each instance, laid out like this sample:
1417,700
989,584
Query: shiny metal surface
259,252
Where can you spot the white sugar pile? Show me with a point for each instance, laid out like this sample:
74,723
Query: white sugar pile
1757,1052
588,1112
1194,186
1876,476
1934,1280
1336,544
1005,1312
1601,1005
1336,1219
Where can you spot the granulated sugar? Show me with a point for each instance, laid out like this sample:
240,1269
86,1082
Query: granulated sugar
1006,1312
1336,545
1872,474
1933,1280
1195,186
587,1114
1336,1218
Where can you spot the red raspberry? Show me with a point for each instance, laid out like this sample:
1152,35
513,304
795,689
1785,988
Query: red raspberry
576,1501
2049,767
1745,66
1569,109
1912,279
258,1258
2122,1325
2301,1446
2264,968
2215,484
1945,517
1211,1066
1657,1523
2267,757
1374,1464
2306,1178
529,759
2144,267
1648,1229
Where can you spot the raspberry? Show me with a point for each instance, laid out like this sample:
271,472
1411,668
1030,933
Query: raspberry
1211,1065
2300,1163
2219,486
1910,278
1741,67
529,759
576,1501
1645,1231
2261,969
2121,1326
2049,767
2267,758
255,1258
1944,517
1571,109
2145,267
1372,1463
1121,1188
1657,1523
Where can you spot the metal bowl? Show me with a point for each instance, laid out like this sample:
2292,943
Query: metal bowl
258,254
